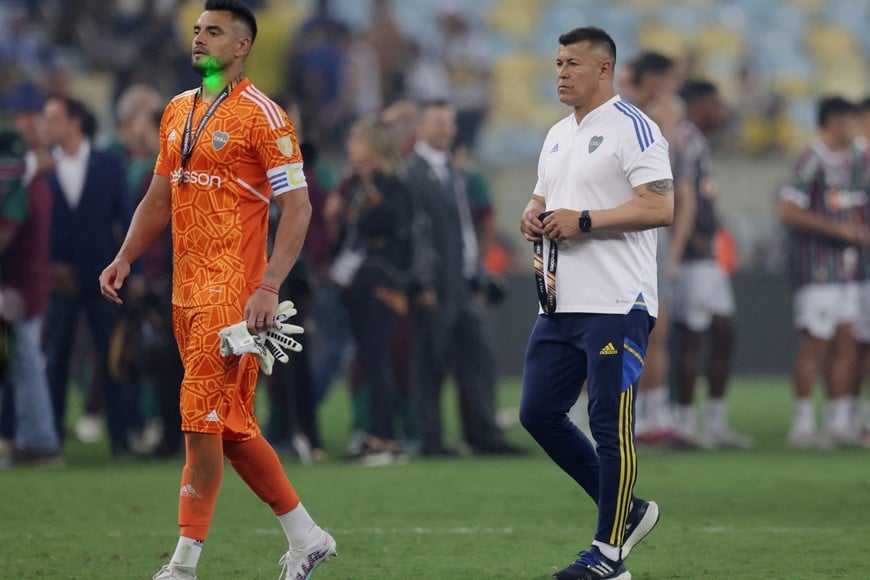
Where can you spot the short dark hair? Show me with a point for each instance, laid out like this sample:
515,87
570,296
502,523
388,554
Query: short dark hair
594,36
240,12
695,89
75,109
834,106
649,63
864,106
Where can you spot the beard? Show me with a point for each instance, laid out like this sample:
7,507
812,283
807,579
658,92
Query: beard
208,66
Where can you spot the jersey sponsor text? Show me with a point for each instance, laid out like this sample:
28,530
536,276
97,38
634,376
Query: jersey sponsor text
197,177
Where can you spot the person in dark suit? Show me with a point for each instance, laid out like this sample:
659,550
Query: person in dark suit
88,220
448,307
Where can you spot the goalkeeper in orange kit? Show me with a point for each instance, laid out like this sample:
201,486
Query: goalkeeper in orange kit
226,150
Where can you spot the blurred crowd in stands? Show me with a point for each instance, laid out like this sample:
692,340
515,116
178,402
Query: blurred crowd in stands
85,83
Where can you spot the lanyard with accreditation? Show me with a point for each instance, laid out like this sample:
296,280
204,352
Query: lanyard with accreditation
188,142
546,284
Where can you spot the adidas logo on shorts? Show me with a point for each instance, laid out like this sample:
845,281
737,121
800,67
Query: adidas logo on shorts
212,417
609,349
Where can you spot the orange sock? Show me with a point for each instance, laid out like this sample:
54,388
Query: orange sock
258,465
200,483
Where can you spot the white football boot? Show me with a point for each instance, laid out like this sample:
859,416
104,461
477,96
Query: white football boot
299,563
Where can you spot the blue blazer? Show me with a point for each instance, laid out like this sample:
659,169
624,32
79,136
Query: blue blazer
85,237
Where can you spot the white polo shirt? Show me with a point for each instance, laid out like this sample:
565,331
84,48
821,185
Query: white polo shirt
596,165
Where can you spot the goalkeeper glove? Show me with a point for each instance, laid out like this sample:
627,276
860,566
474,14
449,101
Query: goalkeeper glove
268,345
279,339
236,340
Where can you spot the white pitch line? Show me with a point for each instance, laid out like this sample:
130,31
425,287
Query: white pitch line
773,530
405,531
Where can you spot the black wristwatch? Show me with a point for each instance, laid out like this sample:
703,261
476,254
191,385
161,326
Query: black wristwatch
585,221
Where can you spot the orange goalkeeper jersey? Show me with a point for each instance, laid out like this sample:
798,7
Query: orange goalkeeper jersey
246,153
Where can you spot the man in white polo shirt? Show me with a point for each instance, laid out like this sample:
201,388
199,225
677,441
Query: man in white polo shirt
604,181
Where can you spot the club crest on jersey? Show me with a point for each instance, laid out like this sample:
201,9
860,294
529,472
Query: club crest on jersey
595,143
219,139
285,145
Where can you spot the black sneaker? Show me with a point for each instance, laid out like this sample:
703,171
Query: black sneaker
642,518
592,565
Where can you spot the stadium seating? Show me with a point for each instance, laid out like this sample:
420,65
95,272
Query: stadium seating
799,49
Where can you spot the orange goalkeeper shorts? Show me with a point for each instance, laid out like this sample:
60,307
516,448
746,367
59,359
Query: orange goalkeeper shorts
217,392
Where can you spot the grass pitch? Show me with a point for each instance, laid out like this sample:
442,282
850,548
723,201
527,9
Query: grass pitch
771,513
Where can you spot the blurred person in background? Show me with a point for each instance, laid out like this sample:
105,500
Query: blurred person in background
825,242
134,101
624,82
314,72
479,202
469,66
332,298
402,117
655,81
703,304
26,417
25,102
359,92
89,216
426,77
490,286
861,408
328,339
293,421
391,47
652,84
145,352
448,310
762,124
293,389
22,42
374,268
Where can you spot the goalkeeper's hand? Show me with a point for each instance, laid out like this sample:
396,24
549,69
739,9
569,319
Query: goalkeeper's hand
278,339
270,344
236,340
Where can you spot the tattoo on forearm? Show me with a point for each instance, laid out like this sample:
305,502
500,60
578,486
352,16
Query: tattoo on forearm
661,187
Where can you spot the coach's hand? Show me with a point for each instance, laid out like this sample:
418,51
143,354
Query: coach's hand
260,310
112,279
562,224
530,224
